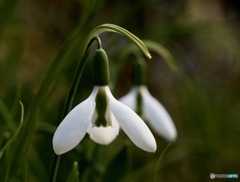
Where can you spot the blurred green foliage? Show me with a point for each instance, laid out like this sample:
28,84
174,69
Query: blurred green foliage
40,45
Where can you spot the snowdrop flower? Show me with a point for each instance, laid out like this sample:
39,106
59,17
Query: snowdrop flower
101,116
140,100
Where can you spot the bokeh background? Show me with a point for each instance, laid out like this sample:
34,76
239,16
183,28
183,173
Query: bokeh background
202,95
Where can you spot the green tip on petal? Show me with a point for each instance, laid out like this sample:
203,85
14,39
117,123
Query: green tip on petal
103,117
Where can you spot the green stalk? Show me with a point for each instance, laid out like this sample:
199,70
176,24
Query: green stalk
160,160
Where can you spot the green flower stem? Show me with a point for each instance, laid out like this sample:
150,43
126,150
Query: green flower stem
97,39
16,133
56,162
159,162
77,76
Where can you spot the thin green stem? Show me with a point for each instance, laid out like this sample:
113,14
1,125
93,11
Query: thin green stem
97,39
159,162
77,76
16,133
57,162
9,159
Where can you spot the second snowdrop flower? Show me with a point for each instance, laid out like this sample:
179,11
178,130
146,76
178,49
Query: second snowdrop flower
101,116
149,108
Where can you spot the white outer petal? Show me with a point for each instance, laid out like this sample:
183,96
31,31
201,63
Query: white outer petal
132,125
157,116
74,126
130,98
104,135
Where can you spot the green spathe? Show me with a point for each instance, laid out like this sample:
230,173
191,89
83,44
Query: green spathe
100,68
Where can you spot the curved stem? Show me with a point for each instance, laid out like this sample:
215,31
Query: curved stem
160,160
117,29
78,75
16,133
97,39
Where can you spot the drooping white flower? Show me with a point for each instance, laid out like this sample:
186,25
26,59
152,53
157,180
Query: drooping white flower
101,115
152,110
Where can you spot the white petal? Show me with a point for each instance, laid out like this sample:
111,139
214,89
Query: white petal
157,116
130,98
133,125
74,126
104,135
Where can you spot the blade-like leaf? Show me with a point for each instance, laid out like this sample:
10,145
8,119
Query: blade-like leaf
159,162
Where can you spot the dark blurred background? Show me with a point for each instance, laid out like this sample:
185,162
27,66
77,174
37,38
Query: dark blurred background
202,96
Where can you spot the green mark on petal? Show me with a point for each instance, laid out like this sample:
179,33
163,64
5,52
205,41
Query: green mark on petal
103,118
139,103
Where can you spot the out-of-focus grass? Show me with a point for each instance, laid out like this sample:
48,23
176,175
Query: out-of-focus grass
40,42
